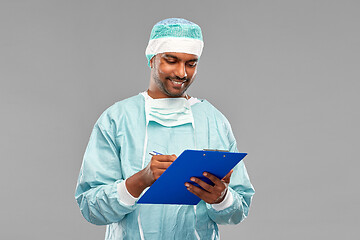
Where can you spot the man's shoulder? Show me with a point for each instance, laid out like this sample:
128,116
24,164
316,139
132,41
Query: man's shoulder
125,104
214,118
208,108
122,109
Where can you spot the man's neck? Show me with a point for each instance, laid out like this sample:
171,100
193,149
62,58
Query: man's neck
156,95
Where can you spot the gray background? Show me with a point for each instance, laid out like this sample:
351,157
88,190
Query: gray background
285,73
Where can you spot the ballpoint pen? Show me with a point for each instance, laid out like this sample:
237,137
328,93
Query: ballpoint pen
153,153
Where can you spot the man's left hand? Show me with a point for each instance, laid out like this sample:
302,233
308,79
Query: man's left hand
210,194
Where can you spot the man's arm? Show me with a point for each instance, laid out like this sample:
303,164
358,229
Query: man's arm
226,204
97,187
242,192
101,192
233,206
145,178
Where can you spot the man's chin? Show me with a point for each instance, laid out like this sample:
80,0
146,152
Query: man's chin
173,93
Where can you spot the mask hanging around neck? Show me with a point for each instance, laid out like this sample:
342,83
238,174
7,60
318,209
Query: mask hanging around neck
168,112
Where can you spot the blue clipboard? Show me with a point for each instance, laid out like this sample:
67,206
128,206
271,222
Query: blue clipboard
169,188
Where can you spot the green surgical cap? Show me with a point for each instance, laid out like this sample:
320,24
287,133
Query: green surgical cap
175,35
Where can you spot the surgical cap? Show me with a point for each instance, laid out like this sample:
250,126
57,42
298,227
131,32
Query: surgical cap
175,35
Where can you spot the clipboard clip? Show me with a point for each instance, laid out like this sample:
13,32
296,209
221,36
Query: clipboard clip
215,150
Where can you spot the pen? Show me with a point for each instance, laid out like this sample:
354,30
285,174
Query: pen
153,153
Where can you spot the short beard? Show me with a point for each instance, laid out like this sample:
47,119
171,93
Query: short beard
162,88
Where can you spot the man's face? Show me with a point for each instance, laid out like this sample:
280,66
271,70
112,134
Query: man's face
172,73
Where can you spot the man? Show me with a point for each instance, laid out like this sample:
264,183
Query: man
117,168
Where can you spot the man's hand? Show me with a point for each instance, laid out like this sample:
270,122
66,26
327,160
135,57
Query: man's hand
210,194
146,177
156,167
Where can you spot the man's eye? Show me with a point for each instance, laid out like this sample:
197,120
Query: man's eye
192,64
170,61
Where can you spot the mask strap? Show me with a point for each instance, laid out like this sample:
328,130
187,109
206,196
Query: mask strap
145,145
147,98
140,227
196,233
194,134
192,123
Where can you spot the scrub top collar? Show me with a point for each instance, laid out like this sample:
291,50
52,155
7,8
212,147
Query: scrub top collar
191,100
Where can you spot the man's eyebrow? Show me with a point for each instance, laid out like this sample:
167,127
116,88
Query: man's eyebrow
193,60
172,56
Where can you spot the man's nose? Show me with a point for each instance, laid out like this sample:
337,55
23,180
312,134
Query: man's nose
181,71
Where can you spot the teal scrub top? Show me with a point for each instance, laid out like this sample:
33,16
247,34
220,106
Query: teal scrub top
115,152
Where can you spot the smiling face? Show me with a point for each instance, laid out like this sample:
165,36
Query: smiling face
171,74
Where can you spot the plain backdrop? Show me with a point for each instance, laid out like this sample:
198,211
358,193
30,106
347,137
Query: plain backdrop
285,73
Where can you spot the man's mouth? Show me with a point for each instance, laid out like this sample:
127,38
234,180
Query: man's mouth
177,82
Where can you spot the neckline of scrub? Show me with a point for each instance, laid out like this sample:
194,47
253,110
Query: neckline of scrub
192,100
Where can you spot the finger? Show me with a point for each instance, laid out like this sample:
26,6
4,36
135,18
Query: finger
202,194
227,177
203,184
213,178
158,173
160,165
164,158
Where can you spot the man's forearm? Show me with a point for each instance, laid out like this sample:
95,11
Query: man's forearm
137,183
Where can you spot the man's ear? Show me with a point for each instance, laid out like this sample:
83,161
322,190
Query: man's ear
152,62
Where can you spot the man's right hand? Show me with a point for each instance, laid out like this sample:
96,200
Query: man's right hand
157,165
146,177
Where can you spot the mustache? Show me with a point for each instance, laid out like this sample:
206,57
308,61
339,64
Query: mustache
178,78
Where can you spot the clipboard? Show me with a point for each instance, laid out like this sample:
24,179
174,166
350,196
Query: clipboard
169,188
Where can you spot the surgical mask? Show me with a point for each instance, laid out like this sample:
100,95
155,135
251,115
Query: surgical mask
168,112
